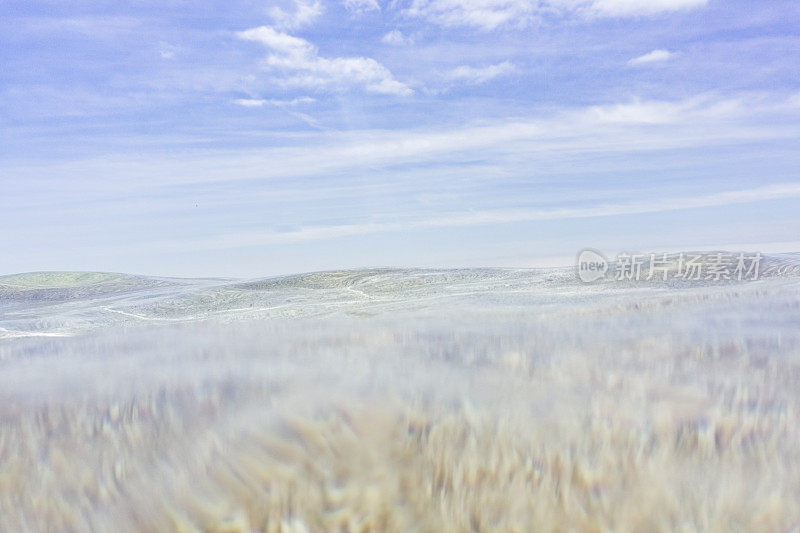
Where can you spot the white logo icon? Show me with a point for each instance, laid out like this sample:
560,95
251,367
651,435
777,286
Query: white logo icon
591,265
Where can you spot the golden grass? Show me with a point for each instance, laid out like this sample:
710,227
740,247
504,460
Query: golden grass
572,446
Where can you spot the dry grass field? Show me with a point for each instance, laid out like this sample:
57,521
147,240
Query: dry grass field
399,401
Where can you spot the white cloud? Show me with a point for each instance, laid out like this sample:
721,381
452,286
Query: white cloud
254,102
361,6
167,51
622,8
249,102
483,14
278,41
652,57
300,65
396,38
488,15
477,75
304,13
293,101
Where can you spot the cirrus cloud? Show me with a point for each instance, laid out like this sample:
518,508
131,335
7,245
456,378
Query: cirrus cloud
478,75
489,15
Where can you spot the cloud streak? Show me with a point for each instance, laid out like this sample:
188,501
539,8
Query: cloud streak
488,217
656,56
627,8
479,75
258,102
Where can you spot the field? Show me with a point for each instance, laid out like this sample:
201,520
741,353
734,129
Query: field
400,400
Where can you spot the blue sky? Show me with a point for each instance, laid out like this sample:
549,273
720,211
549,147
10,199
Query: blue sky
245,138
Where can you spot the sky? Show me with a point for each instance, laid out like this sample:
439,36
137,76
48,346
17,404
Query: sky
256,138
